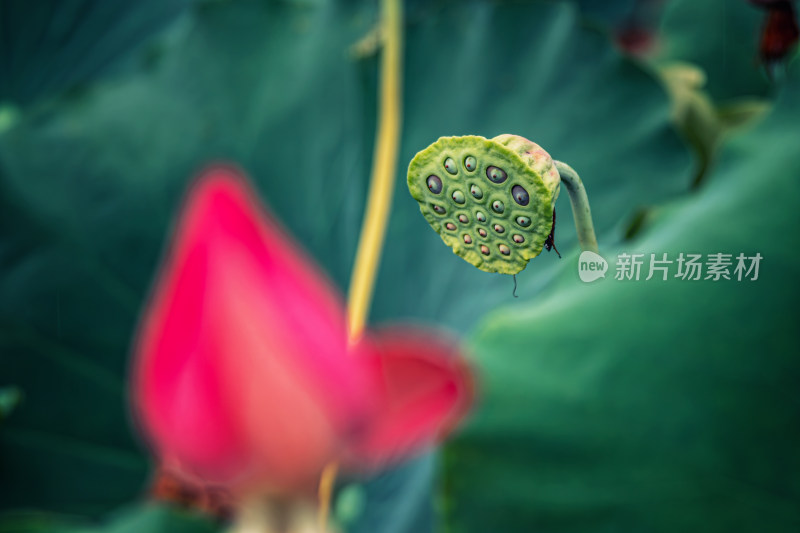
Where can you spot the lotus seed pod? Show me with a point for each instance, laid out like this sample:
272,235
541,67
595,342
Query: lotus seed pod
512,184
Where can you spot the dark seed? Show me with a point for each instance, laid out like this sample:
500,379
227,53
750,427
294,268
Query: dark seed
496,175
520,195
434,184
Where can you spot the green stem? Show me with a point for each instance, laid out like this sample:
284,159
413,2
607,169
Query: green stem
580,206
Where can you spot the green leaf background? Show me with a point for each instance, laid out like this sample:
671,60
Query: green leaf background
49,46
652,405
575,430
722,38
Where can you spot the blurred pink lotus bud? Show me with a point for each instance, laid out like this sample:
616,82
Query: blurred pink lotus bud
243,374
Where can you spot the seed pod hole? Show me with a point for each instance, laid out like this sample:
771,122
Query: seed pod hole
450,165
434,184
450,226
496,175
520,195
484,249
498,206
482,232
499,229
519,239
479,216
458,197
470,163
524,221
504,249
463,219
438,209
476,192
467,239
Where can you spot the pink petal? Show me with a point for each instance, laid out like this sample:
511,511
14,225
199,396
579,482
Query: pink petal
242,374
423,388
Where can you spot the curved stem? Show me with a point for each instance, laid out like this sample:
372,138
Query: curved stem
580,206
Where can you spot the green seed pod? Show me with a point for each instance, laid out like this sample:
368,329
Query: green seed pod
513,185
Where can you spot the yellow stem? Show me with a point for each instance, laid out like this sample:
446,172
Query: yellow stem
379,202
373,229
325,492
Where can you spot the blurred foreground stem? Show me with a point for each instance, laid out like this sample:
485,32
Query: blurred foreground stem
269,515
